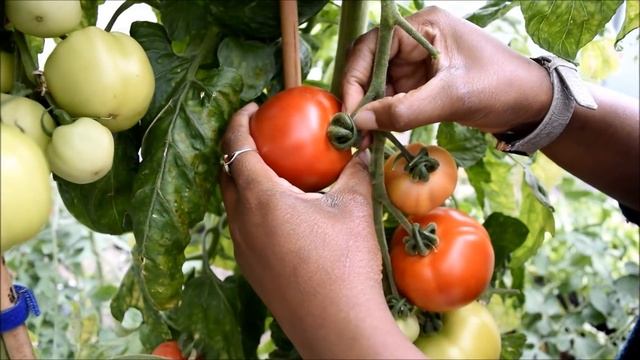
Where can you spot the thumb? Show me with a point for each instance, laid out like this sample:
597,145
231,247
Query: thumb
427,104
354,179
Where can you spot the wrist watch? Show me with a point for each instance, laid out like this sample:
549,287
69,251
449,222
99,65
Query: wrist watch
568,90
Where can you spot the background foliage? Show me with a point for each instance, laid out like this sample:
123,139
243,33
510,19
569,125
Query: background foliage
567,275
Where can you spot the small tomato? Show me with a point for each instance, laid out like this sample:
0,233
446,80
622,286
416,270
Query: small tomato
467,333
415,197
81,152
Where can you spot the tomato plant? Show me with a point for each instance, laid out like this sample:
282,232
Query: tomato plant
416,197
451,275
290,131
28,116
168,92
170,350
81,152
26,193
116,85
469,332
44,18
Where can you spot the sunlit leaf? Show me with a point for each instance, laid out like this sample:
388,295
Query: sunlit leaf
564,27
467,145
492,10
631,19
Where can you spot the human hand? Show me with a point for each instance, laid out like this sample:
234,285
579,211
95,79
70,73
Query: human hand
476,80
311,257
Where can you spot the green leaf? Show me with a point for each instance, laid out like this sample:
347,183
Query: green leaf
539,219
153,331
207,312
90,12
250,312
180,156
423,134
257,19
182,22
285,348
139,357
170,70
631,19
492,180
599,299
513,344
492,10
538,190
103,205
254,61
467,145
507,234
564,27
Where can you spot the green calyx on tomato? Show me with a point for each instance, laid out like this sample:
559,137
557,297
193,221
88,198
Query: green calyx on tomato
7,62
469,332
290,132
169,350
453,275
81,152
28,116
25,189
116,84
50,18
416,197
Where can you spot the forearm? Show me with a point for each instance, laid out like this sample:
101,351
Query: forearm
602,147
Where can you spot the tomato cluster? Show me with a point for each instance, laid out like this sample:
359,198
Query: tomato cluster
455,267
103,82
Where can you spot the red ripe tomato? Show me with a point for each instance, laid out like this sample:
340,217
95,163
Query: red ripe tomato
415,197
452,275
290,131
169,350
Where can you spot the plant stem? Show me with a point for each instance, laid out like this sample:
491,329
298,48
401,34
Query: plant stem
377,179
409,29
353,22
122,8
403,150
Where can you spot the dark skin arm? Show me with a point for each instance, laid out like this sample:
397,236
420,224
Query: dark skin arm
479,82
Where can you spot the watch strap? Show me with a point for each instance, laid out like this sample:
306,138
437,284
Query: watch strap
17,314
568,90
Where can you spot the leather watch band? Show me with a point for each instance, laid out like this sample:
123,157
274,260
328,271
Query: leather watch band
568,90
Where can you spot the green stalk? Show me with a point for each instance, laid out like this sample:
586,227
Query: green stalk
353,22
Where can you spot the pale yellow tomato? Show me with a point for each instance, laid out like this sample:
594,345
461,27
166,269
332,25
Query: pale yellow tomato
26,190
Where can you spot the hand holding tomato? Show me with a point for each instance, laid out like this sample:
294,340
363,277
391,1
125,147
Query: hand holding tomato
312,258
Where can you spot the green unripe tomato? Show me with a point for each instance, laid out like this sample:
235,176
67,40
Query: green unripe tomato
409,326
44,18
101,75
29,116
469,332
25,188
7,61
81,152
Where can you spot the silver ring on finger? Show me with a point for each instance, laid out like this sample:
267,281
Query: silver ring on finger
227,159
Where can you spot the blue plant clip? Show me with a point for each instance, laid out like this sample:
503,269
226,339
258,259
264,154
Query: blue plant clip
16,315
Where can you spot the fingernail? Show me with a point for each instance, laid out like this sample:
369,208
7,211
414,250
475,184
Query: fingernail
365,120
